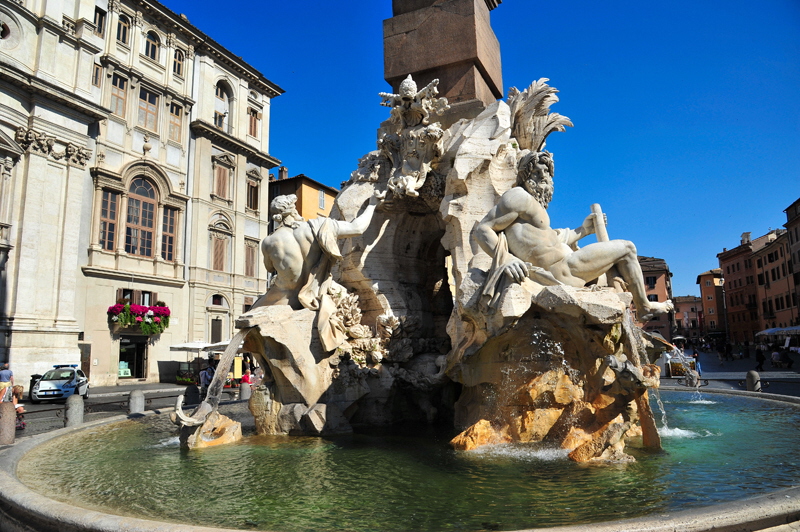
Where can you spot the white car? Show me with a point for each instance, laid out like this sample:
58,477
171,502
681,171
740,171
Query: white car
59,383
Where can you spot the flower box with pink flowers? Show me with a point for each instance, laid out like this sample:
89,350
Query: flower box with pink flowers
149,320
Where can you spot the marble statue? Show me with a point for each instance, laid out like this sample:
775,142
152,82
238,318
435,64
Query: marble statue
454,302
414,145
517,233
301,254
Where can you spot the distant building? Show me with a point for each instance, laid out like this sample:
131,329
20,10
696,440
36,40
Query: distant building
712,322
741,297
776,286
688,316
792,226
314,199
658,284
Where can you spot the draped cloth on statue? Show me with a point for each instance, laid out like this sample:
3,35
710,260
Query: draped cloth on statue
316,293
497,280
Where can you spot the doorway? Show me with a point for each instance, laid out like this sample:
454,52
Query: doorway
132,357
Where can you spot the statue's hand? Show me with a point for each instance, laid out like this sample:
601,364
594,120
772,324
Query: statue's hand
588,227
517,270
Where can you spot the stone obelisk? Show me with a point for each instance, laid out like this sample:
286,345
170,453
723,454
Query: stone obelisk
451,40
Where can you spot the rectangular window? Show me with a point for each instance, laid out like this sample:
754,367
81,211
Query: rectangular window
711,310
708,283
254,120
97,75
168,234
321,200
713,324
252,195
219,119
108,220
218,253
99,21
221,181
250,254
119,89
652,297
146,298
710,298
649,281
148,109
175,119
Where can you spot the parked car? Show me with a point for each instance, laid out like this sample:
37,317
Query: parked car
59,383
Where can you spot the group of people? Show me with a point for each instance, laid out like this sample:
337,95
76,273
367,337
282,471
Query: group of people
248,378
13,393
779,357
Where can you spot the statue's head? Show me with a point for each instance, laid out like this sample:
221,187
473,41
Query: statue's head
535,173
284,211
408,89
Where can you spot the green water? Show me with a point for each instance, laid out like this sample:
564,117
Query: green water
409,479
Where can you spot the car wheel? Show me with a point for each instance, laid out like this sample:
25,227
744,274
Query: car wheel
86,393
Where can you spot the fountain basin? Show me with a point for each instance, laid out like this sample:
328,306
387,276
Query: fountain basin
408,473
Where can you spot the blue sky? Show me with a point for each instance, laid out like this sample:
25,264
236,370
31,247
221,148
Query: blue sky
686,113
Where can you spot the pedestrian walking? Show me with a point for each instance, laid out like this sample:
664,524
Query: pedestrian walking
6,381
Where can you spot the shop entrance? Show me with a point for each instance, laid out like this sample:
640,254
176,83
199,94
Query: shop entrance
132,357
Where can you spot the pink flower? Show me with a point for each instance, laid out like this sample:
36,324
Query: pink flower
138,310
157,320
114,310
138,318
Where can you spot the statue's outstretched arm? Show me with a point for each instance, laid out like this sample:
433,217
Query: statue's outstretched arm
360,224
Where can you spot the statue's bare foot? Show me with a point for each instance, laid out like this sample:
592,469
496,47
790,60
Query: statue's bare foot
656,309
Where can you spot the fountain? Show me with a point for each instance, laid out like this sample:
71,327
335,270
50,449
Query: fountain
525,338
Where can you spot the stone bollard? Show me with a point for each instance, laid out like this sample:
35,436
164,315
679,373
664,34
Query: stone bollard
245,392
8,423
74,413
136,402
192,395
753,381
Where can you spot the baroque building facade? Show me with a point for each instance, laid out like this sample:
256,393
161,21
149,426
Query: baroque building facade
133,149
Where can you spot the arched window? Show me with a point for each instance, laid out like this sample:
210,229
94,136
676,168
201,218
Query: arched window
141,218
151,46
177,64
123,29
221,106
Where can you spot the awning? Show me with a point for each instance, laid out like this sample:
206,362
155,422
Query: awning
221,346
780,331
194,347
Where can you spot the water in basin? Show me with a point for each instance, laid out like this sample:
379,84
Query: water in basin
717,448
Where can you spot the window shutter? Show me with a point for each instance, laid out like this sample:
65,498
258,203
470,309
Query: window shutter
137,297
119,294
155,298
218,263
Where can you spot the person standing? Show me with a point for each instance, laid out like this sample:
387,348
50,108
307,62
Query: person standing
6,381
760,358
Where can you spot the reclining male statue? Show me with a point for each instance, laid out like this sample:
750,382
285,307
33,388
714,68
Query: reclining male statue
517,234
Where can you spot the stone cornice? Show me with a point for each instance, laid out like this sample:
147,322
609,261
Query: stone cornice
201,128
35,85
118,275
